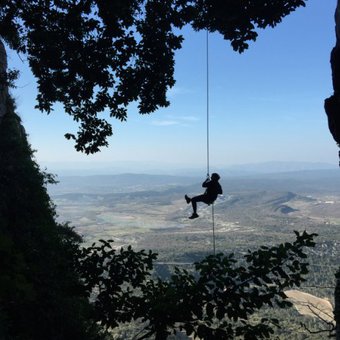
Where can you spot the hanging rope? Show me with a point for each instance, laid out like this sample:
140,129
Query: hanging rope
207,86
208,140
213,228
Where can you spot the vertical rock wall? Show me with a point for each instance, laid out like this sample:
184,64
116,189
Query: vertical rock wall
332,104
332,108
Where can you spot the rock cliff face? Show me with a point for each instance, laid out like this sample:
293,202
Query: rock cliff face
3,82
39,284
332,104
332,107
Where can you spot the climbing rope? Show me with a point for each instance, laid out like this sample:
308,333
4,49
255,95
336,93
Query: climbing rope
213,228
208,139
207,94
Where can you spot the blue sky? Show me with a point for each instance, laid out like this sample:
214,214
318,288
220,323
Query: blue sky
265,104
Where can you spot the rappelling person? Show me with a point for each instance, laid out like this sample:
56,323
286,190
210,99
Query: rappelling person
213,190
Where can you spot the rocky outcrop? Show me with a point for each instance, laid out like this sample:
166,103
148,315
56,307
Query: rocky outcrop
332,104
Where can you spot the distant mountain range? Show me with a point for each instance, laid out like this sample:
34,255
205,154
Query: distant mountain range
87,169
304,181
276,167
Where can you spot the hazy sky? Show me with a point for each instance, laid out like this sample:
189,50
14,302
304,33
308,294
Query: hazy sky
265,104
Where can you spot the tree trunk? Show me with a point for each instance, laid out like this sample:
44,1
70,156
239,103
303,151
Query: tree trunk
332,104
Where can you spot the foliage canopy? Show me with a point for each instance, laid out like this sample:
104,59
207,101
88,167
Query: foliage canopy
217,302
95,55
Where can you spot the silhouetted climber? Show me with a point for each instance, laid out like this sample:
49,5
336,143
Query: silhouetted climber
213,190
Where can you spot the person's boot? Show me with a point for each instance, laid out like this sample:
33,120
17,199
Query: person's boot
187,198
194,215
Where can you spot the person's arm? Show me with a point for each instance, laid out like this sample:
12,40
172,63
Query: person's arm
206,183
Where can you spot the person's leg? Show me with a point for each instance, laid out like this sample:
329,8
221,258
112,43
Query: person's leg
194,200
200,198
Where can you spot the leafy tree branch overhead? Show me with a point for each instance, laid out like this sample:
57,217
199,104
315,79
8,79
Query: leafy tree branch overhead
97,55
